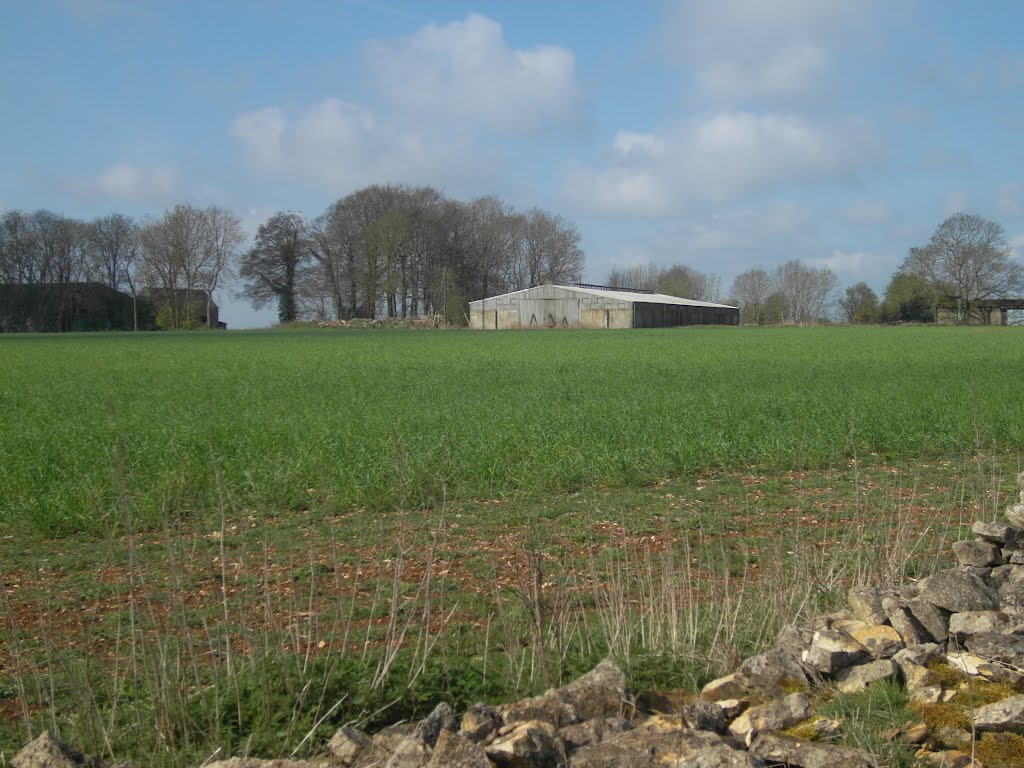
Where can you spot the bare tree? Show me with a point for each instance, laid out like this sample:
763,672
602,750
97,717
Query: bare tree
113,244
808,292
185,254
967,260
271,269
751,291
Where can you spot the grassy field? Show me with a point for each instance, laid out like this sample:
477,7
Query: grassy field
380,419
229,543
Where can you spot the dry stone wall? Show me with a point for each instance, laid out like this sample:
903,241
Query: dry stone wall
935,637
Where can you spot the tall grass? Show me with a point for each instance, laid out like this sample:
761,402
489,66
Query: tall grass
337,419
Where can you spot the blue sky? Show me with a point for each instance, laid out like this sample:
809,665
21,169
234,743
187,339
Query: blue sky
719,134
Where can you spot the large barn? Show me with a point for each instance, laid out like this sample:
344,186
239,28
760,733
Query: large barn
594,306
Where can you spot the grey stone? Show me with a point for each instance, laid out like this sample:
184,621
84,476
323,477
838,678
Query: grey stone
903,622
832,651
934,621
1013,556
997,533
880,640
641,748
978,553
347,744
956,591
722,688
411,752
440,719
1011,587
962,625
549,708
479,722
767,675
48,752
997,647
776,749
774,716
857,678
527,745
1015,515
576,736
866,604
453,750
1005,715
599,693
702,715
912,664
251,762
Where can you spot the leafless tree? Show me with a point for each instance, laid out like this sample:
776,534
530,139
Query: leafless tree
113,245
185,254
967,260
808,292
751,291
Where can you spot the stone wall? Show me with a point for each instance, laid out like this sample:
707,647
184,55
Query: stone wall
945,638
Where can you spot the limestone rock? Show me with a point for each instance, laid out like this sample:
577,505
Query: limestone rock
978,553
880,640
479,722
599,693
950,758
857,678
347,744
774,716
411,752
576,736
866,604
934,621
912,664
255,762
1005,715
997,533
723,688
994,646
48,752
549,708
532,744
732,708
775,748
767,675
702,715
963,625
1011,587
905,625
957,591
832,651
440,719
454,750
640,748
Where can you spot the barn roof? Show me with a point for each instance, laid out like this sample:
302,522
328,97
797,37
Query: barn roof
622,295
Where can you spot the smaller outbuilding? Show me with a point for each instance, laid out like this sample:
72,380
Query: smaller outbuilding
594,306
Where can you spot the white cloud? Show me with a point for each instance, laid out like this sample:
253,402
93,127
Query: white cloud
778,52
128,183
844,262
722,158
466,71
336,144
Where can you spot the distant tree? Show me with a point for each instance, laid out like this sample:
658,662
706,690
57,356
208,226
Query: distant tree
675,280
113,245
185,254
909,299
271,269
751,291
860,304
808,292
967,259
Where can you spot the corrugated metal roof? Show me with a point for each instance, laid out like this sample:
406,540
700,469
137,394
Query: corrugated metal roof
645,298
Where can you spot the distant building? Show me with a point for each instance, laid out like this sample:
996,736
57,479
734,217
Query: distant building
70,307
591,306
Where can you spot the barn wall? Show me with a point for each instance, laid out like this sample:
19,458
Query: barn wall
670,315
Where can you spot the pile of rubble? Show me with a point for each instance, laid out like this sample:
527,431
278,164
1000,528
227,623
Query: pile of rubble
957,628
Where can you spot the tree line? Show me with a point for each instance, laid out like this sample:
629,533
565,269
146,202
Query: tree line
966,262
384,251
397,252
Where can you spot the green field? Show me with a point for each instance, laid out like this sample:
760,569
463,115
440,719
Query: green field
234,543
379,419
